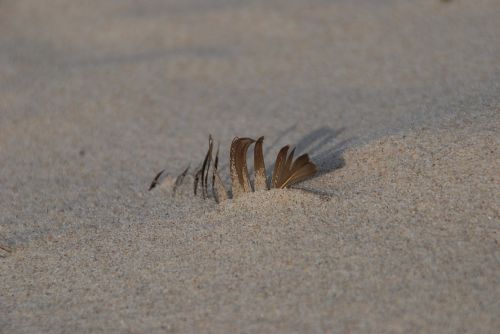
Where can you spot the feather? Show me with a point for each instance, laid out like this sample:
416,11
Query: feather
196,180
242,164
179,179
238,162
156,180
206,167
202,173
280,161
287,173
232,165
285,169
216,165
220,192
218,189
260,181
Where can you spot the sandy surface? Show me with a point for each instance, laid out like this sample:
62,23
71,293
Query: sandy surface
397,102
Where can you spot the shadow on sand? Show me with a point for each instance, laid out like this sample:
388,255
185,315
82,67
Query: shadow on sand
323,147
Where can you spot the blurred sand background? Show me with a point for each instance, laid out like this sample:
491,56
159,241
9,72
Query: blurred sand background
397,101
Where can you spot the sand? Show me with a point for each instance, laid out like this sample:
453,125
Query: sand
397,102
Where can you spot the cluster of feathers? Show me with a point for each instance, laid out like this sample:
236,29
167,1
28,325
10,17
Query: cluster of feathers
286,171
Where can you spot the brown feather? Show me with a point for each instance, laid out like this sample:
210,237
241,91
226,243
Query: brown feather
289,173
260,181
301,161
155,181
241,165
280,160
196,180
301,169
300,175
216,165
232,165
205,167
218,189
289,161
285,171
220,192
179,179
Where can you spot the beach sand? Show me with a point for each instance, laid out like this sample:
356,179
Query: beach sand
398,103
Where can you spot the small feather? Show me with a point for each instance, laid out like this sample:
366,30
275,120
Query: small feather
238,162
155,181
218,189
220,192
197,177
232,165
202,173
216,165
205,167
285,171
179,179
208,161
280,160
260,182
301,169
301,161
242,164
